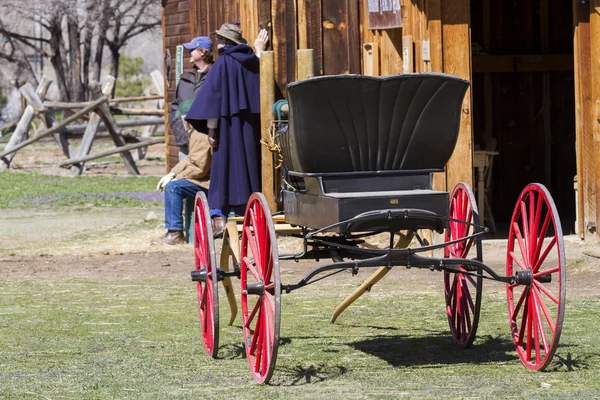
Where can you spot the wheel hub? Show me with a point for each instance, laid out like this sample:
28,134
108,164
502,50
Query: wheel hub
200,275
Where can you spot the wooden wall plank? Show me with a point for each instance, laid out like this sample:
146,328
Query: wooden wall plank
314,37
354,39
595,66
457,61
178,21
335,38
586,199
202,17
284,42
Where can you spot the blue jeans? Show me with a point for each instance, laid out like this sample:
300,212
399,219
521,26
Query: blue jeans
175,192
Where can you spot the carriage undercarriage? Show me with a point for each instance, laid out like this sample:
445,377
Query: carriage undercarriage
333,224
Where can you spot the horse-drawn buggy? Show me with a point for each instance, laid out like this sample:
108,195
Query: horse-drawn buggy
359,156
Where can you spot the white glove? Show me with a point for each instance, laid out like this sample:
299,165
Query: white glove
260,44
164,180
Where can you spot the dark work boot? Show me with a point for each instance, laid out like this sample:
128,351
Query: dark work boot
171,237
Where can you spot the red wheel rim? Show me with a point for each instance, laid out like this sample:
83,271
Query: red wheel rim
535,243
261,308
462,291
204,255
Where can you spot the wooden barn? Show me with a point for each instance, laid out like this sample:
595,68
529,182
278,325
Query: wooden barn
534,105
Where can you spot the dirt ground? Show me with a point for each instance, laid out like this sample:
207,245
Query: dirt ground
114,244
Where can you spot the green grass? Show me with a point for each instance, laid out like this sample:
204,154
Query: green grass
18,190
139,339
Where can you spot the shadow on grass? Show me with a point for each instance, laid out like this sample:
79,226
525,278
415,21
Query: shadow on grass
302,375
567,363
436,348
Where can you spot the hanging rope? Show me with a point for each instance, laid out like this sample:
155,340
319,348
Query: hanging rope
271,141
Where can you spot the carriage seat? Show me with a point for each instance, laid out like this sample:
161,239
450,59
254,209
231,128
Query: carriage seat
354,136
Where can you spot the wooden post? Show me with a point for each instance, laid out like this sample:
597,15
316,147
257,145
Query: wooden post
89,135
586,193
595,67
23,126
304,64
113,128
457,61
267,98
434,17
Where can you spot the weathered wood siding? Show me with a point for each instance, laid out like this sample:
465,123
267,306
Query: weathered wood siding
525,92
176,30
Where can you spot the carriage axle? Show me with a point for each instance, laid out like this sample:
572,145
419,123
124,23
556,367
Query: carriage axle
201,275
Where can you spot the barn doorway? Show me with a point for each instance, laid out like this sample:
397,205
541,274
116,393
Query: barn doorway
524,101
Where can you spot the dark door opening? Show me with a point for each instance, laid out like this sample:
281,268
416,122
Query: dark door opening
524,101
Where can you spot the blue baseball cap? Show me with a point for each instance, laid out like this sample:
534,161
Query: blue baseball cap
203,42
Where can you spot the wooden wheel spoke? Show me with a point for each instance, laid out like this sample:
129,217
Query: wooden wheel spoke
529,329
517,260
253,244
468,247
203,300
257,330
200,257
539,326
467,307
545,310
525,234
471,279
267,267
520,241
467,294
532,224
546,292
522,298
542,233
250,266
539,261
268,308
253,314
539,274
270,299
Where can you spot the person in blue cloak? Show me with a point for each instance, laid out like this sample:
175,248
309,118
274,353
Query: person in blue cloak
229,106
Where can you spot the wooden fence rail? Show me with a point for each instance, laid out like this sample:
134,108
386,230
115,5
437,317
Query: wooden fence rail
100,114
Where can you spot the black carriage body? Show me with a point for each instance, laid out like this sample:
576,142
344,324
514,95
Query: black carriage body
357,144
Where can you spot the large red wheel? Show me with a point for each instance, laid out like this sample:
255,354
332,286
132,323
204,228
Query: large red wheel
463,291
536,310
206,267
260,288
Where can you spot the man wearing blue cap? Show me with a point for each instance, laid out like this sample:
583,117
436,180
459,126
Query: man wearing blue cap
191,80
191,174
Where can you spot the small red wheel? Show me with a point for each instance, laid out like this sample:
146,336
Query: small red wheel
536,310
463,291
206,265
260,288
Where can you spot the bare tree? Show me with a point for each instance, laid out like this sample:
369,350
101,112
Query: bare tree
129,18
72,30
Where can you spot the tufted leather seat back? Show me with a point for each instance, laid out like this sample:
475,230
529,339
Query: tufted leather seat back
346,123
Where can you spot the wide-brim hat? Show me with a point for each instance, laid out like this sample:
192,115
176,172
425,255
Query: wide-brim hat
231,32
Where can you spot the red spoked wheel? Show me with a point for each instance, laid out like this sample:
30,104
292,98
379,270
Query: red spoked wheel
206,275
462,290
260,288
536,310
